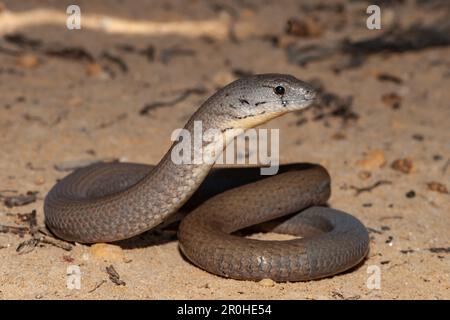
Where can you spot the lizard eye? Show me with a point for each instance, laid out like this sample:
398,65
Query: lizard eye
279,90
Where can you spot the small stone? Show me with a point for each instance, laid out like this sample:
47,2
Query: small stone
418,137
392,100
107,252
339,136
436,186
306,28
28,61
403,165
410,194
374,159
267,283
40,180
94,69
364,175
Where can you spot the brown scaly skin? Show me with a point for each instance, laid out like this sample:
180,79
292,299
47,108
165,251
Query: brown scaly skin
110,202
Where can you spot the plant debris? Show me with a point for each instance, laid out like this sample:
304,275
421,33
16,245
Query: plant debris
23,41
389,240
56,243
445,167
148,52
390,217
182,96
118,61
338,295
39,241
358,191
70,53
372,230
39,236
395,40
21,231
98,285
389,77
19,200
439,250
27,246
114,276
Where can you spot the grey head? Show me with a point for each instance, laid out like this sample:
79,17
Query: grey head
253,100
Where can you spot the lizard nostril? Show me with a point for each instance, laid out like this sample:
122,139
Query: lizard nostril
310,94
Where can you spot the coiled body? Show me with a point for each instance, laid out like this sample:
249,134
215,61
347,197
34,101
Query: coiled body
109,202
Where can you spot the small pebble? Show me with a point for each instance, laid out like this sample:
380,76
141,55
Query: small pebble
305,28
28,61
403,165
107,252
339,136
436,186
392,100
364,175
94,69
267,283
373,160
40,180
410,194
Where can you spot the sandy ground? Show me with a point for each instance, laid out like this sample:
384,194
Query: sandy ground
54,110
